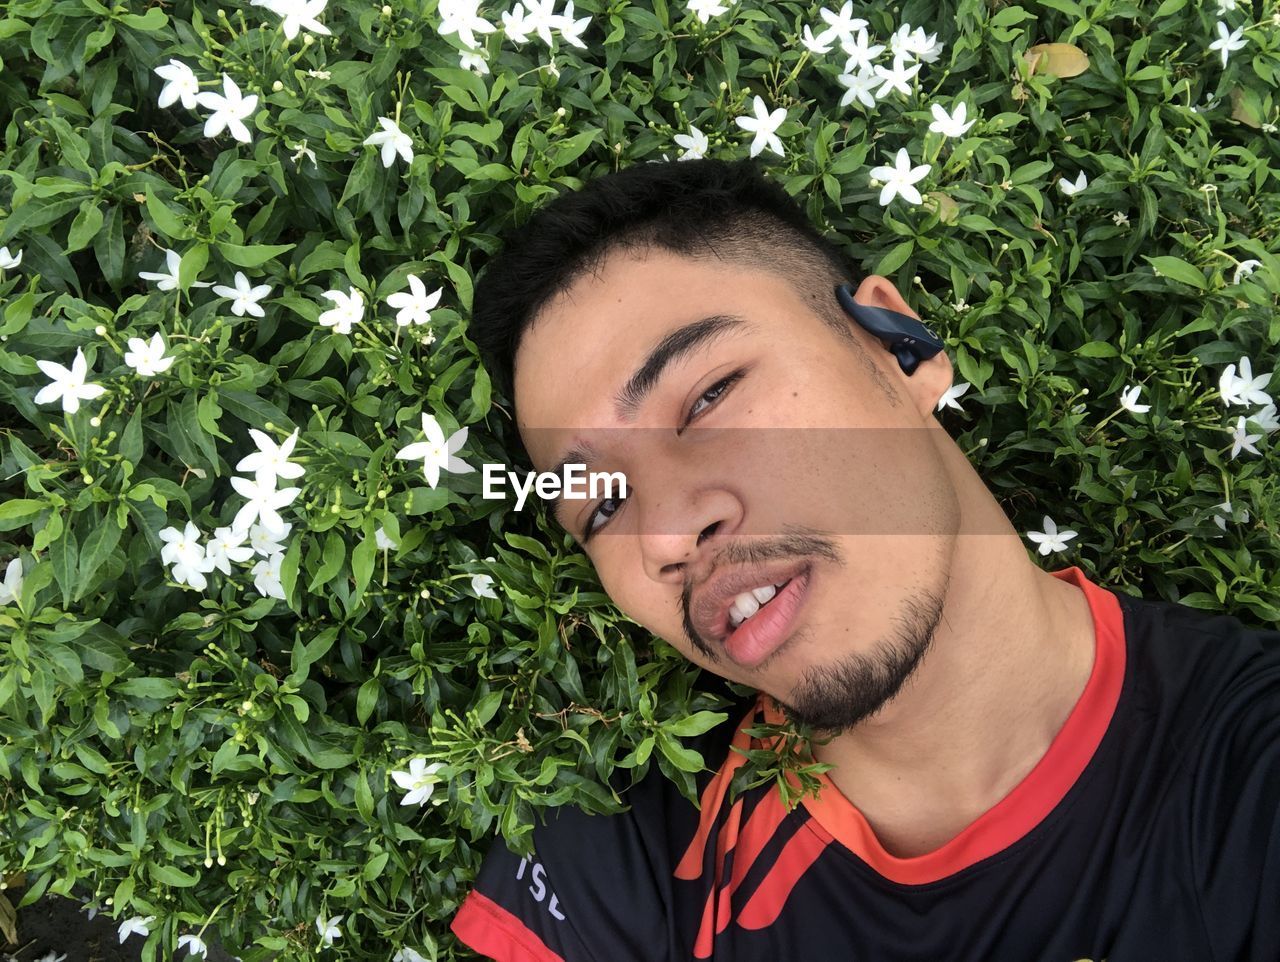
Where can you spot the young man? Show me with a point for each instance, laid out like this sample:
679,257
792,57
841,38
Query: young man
1028,765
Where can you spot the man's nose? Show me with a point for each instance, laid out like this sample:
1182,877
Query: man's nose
677,527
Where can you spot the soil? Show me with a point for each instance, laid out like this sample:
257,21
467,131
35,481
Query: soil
59,925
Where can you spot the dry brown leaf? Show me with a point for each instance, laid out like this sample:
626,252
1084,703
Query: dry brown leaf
1057,59
948,210
1244,109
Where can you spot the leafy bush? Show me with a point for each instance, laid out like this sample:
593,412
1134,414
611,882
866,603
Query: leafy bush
223,757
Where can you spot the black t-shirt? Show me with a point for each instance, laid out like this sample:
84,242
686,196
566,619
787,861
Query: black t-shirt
1150,830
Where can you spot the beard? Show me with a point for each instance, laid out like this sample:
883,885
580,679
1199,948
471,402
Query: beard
831,699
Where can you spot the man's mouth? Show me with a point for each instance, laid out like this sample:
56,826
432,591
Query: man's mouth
761,620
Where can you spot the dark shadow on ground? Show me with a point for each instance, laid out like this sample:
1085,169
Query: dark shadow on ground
59,925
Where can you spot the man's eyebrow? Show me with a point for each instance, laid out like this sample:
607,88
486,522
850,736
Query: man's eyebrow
674,347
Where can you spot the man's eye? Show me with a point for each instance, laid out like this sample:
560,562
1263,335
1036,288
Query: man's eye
717,391
592,527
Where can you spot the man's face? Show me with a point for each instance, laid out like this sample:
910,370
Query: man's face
813,467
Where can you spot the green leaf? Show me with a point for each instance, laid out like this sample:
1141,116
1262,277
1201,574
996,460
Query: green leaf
168,223
65,554
1178,270
192,263
254,255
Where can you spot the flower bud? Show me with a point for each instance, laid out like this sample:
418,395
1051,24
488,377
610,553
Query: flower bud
308,40
100,330
95,421
246,705
386,10
559,111
1004,247
277,86
424,593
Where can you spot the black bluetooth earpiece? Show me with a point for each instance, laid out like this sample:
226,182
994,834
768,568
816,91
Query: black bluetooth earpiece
910,341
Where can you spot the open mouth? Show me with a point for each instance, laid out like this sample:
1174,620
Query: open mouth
748,604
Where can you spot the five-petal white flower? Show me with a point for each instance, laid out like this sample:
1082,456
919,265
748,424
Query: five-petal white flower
227,545
9,261
272,458
229,110
392,140
266,576
186,554
262,500
842,25
437,454
136,924
1241,439
764,124
347,310
148,358
419,781
1069,188
819,44
950,395
1051,539
895,77
463,18
68,384
11,589
414,307
244,297
328,929
706,9
266,540
857,86
860,51
1244,269
1129,400
169,281
194,945
299,14
898,179
950,125
695,144
1245,388
1221,519
180,82
1228,40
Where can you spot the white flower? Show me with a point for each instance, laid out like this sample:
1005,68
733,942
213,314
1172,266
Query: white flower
1240,439
1069,188
1226,6
463,18
180,82
415,308
919,45
1228,41
266,540
136,924
1129,400
515,25
299,14
51,956
1051,539
473,61
952,125
898,179
482,585
408,955
11,589
348,309
194,944
328,929
243,296
765,125
148,357
819,44
68,384
169,281
1225,507
263,500
706,9
694,142
272,458
437,454
392,139
842,24
1244,269
861,54
229,110
266,576
383,539
1245,389
185,552
571,30
9,261
302,150
950,395
418,781
1266,419
226,545
896,77
1120,218
858,87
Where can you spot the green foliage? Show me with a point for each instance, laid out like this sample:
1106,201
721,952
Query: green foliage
223,757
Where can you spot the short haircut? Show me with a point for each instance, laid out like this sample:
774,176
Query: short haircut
700,208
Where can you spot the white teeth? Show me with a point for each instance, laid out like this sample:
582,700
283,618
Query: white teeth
749,602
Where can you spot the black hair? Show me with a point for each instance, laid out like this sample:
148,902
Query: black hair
698,208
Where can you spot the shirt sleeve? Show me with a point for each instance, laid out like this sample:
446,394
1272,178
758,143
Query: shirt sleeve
586,895
1235,845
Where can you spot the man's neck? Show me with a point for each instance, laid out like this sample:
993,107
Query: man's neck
1010,658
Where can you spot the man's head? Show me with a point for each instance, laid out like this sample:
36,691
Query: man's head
677,322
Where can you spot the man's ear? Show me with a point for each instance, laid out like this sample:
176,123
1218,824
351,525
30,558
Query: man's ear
933,376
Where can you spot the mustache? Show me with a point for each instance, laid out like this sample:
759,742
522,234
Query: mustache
798,542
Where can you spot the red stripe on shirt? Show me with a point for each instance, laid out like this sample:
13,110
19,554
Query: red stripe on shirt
485,926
